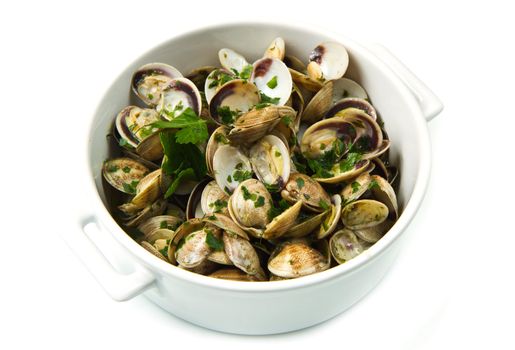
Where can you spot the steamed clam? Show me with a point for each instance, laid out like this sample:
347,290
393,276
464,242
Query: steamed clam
255,169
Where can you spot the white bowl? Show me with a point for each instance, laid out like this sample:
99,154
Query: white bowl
260,308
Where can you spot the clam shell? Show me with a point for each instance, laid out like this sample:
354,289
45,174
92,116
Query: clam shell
331,219
364,213
153,250
159,222
282,223
199,75
270,159
301,187
151,148
225,223
235,97
132,124
352,102
148,81
215,80
305,82
231,60
328,61
124,173
229,161
273,79
344,245
182,231
306,227
276,49
296,259
233,275
242,254
178,95
356,188
194,250
384,192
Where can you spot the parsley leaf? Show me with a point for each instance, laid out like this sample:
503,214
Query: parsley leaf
272,83
268,99
323,204
259,202
193,128
355,186
213,242
350,161
300,183
226,115
188,174
373,184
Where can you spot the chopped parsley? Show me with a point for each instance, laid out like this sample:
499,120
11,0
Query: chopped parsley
229,178
259,202
323,204
213,242
350,161
221,138
164,251
130,188
272,83
268,99
218,205
226,115
150,96
247,195
241,175
112,168
373,184
277,154
274,211
286,120
163,224
124,143
355,186
300,183
126,169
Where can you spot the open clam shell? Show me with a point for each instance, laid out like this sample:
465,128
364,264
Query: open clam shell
124,174
150,148
217,139
230,167
328,61
193,250
352,102
356,188
231,100
364,213
159,222
181,233
231,60
301,187
305,82
154,209
242,254
344,245
276,49
215,80
249,206
331,219
199,75
205,199
178,95
133,124
304,227
225,223
295,63
384,192
147,192
272,78
270,161
374,233
282,223
149,80
153,250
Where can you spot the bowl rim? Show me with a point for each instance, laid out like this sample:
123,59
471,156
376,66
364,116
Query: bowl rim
165,269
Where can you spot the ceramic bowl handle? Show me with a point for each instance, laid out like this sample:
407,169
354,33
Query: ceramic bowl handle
429,103
118,285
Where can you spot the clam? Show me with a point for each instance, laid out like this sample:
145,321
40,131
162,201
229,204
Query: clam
159,222
205,268
147,191
364,213
154,209
272,78
232,61
352,102
331,219
231,167
217,139
296,259
231,100
205,199
219,257
242,254
270,161
276,49
233,274
334,96
303,188
150,79
344,245
193,250
124,174
356,188
158,234
328,61
184,230
178,95
257,123
151,148
215,80
383,192
133,124
249,206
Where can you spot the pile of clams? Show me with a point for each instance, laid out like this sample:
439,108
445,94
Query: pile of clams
298,177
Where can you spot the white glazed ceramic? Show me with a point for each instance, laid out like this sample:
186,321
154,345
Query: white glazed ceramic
404,102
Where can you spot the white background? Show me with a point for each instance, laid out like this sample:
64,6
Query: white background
452,286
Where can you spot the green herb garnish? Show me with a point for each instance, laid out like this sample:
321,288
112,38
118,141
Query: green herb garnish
241,175
259,202
373,184
300,183
272,83
323,204
268,99
126,169
355,186
130,188
213,242
227,116
218,205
